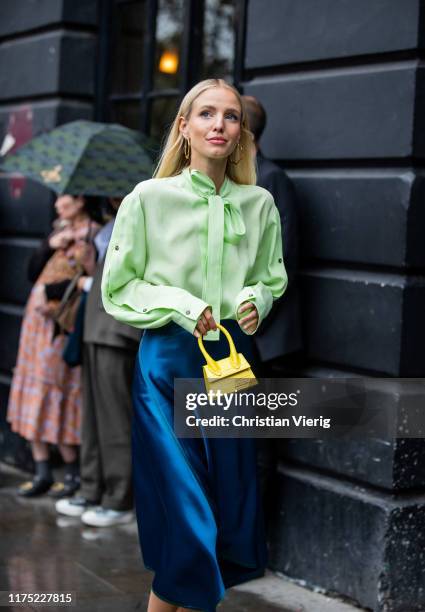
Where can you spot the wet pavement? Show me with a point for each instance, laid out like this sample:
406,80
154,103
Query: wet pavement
41,551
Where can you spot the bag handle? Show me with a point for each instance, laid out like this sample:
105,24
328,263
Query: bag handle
213,365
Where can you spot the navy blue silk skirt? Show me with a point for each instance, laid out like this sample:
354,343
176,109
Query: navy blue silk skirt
198,505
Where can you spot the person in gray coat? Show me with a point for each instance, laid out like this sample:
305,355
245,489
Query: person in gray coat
109,353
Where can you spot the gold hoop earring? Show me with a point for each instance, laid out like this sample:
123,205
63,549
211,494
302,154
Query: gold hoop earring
186,148
240,147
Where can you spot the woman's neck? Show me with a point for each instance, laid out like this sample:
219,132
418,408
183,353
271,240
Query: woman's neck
214,168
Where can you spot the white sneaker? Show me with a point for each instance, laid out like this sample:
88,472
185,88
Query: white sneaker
73,506
101,517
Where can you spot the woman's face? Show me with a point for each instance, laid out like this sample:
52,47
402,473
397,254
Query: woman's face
214,124
68,207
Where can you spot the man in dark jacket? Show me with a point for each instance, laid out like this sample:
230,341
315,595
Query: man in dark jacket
279,339
109,353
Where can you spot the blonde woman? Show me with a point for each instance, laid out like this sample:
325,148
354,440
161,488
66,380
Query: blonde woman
196,245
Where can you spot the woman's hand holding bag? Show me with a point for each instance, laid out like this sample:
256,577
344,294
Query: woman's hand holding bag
205,323
227,375
249,322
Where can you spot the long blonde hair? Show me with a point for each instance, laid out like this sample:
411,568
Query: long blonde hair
172,160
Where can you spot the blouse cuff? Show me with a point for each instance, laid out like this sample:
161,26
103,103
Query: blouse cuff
259,295
188,316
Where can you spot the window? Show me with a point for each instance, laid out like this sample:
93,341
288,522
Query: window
168,43
127,60
153,51
219,39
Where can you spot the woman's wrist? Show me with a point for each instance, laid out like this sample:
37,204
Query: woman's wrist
248,317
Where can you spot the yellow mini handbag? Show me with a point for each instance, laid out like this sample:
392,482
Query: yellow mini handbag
229,375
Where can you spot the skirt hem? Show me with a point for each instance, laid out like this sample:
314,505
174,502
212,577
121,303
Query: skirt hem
43,438
181,605
248,565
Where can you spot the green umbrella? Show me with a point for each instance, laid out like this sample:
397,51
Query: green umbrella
87,158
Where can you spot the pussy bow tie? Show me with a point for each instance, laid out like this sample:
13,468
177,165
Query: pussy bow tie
234,227
225,224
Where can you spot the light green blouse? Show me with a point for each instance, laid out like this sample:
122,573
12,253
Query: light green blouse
177,247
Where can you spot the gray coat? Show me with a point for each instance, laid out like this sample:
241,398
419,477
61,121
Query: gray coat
101,328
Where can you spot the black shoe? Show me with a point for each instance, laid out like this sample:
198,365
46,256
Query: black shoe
67,488
34,487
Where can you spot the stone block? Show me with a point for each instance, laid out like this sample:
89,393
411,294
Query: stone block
15,255
346,113
366,217
39,65
364,320
10,327
19,17
288,32
364,544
